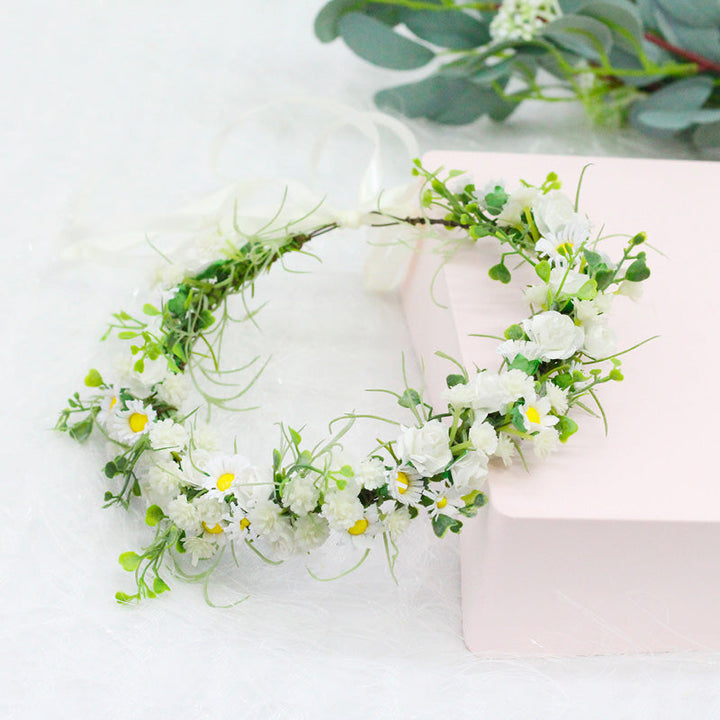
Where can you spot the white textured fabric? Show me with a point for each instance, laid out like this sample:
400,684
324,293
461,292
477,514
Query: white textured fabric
109,116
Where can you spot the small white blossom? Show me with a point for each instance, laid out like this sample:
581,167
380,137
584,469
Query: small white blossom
556,334
506,449
427,448
518,384
406,486
370,473
311,531
518,202
279,542
251,484
264,517
545,442
126,426
536,415
558,397
396,521
301,494
469,472
522,19
342,509
510,349
184,514
211,509
483,437
174,389
599,340
633,290
200,548
168,435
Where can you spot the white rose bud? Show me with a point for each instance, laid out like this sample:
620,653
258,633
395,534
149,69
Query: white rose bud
556,334
427,448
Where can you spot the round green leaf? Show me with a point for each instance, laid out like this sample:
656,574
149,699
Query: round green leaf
447,28
154,515
377,43
501,273
93,378
326,22
130,561
582,35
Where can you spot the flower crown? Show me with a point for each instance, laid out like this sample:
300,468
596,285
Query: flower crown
202,501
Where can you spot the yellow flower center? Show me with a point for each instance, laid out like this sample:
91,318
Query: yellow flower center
138,421
113,403
533,415
359,527
441,503
403,482
225,481
244,523
214,530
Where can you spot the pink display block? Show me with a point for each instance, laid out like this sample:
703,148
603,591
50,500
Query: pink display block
613,544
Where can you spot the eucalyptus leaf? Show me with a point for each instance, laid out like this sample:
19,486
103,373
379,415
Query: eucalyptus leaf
447,28
446,100
707,137
377,43
678,119
580,34
698,13
622,20
326,22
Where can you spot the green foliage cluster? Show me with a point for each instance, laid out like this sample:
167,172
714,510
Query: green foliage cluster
654,63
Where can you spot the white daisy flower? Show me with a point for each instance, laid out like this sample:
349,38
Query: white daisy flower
222,470
483,437
470,472
362,532
506,449
445,499
237,524
168,435
557,396
405,485
545,442
536,415
133,422
109,406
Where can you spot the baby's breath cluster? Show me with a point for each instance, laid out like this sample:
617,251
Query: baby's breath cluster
202,499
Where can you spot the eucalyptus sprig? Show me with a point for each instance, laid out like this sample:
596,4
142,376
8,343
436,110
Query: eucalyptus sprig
652,63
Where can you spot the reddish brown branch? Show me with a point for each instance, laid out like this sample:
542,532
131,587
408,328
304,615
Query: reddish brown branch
702,62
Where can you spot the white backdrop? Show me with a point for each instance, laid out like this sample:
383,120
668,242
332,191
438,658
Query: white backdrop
110,115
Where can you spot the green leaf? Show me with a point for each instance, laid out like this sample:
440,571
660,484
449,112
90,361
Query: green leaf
566,427
588,291
616,375
110,470
622,20
514,332
93,378
580,34
81,431
592,258
454,379
130,561
410,398
517,419
500,272
442,523
153,515
295,436
122,597
603,278
127,335
495,201
305,458
445,100
139,365
149,309
542,270
347,471
277,459
522,363
447,28
637,271
377,43
160,586
707,137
